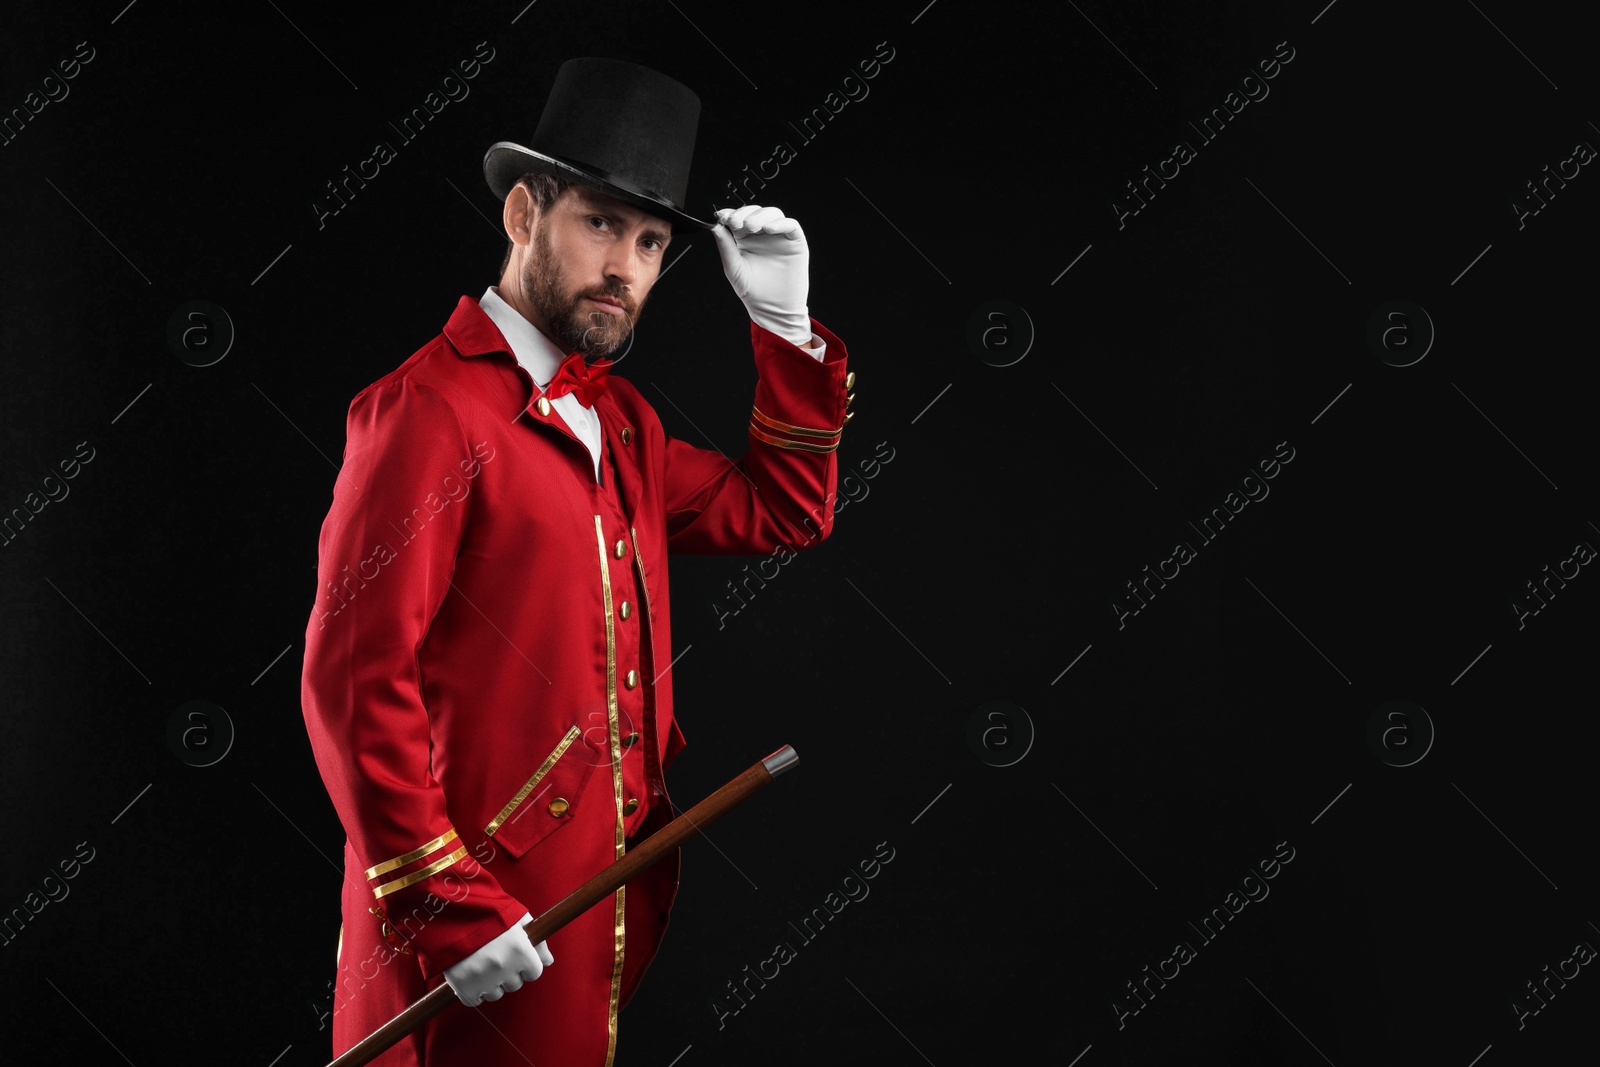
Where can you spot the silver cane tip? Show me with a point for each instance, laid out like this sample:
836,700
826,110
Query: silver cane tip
781,760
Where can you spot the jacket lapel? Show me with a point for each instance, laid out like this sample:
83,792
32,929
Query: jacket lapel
552,421
473,333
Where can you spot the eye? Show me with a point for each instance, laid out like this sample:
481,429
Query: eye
598,218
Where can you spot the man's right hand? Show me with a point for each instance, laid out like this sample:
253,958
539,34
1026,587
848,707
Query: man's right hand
499,967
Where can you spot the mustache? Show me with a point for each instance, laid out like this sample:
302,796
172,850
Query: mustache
617,298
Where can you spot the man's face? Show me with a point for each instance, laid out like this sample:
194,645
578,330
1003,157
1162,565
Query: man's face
590,267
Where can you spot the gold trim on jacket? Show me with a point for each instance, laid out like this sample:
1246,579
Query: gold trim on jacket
533,780
616,786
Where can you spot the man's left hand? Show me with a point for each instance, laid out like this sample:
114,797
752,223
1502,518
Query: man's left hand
766,260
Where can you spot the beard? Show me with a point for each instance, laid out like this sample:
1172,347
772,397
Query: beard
592,333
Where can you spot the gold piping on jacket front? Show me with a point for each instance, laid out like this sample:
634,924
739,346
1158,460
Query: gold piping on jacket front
616,786
527,787
644,591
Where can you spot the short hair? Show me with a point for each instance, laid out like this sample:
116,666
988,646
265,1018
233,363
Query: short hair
546,189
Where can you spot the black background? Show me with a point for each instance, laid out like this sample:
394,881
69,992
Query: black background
979,564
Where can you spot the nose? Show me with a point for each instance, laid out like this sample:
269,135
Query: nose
622,267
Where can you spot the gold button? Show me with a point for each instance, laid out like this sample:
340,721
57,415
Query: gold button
631,739
625,610
632,680
631,806
627,434
848,399
849,381
622,549
848,416
542,405
559,806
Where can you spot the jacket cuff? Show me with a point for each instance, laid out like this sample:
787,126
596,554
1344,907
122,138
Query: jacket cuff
439,903
800,403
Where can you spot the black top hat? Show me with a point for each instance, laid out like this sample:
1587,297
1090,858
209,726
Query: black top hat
615,126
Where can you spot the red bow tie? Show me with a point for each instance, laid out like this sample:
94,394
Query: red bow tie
576,376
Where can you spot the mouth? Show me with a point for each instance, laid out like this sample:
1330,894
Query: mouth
610,307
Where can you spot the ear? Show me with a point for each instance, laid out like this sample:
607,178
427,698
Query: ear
520,215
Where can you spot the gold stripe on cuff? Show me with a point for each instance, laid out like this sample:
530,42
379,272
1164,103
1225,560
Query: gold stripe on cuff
781,443
416,876
527,787
804,431
415,854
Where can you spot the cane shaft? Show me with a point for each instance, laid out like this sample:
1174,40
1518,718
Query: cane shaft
653,849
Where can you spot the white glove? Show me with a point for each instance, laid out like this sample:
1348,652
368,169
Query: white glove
500,967
765,257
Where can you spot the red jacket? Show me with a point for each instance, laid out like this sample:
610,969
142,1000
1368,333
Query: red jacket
467,685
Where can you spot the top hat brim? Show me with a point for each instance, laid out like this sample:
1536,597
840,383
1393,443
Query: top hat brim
506,162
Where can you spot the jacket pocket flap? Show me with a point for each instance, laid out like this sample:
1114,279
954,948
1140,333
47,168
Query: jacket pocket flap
548,800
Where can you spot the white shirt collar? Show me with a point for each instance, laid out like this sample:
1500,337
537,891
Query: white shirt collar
539,355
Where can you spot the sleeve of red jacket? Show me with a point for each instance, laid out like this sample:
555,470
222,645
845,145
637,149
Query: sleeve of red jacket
781,491
360,690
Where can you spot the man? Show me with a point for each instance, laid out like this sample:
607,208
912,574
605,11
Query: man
486,683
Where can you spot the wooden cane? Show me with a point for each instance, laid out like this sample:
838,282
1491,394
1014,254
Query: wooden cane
654,848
